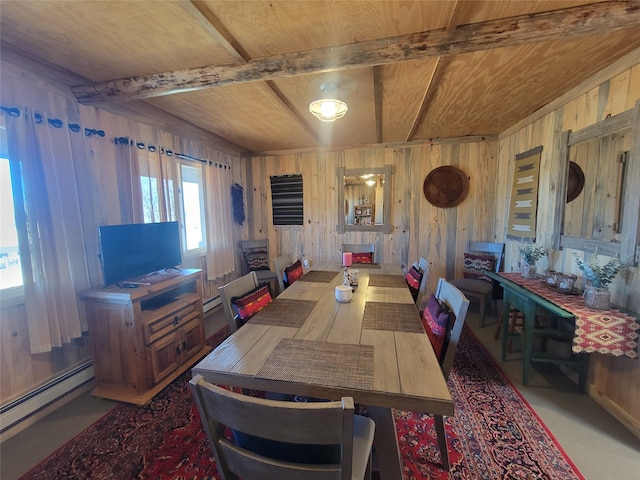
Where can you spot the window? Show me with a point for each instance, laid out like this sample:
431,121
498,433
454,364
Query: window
150,201
10,268
194,240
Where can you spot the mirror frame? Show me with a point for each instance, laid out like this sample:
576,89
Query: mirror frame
627,248
386,227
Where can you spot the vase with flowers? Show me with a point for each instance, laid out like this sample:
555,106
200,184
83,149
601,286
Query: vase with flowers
530,254
598,277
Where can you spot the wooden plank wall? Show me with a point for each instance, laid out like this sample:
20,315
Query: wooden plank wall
614,382
20,371
419,228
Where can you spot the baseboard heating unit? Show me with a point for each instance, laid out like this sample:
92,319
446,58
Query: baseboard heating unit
211,303
30,403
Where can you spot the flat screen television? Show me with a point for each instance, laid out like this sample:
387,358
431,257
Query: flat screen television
133,250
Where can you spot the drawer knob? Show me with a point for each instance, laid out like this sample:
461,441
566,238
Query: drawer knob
176,320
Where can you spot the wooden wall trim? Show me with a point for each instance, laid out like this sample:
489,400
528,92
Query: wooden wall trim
385,145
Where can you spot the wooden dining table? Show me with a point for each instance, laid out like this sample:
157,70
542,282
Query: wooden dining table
372,348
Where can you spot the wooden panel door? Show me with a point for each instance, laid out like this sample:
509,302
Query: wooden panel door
164,357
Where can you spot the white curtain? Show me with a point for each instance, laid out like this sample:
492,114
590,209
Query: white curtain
42,154
146,182
220,253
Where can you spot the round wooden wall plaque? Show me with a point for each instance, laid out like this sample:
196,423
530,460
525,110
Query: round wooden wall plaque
446,186
576,181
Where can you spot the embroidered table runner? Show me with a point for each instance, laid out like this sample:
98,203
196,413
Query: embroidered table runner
323,363
604,331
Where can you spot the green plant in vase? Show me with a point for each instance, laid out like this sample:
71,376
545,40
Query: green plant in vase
531,253
598,278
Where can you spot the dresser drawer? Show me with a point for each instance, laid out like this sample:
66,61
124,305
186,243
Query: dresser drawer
164,325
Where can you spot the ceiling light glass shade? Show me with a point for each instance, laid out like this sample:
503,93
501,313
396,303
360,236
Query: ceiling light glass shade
328,109
371,183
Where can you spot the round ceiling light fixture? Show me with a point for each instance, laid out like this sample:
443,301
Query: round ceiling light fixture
329,108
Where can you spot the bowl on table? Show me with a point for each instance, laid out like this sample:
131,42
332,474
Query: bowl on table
343,293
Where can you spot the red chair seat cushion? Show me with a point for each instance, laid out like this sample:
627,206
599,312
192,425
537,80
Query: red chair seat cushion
251,302
414,278
292,273
475,266
437,323
366,257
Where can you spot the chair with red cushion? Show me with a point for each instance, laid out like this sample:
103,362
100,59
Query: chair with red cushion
256,259
250,303
361,253
235,288
479,258
443,320
416,278
292,273
279,264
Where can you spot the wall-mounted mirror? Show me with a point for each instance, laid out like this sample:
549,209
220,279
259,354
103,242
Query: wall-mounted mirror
603,216
364,201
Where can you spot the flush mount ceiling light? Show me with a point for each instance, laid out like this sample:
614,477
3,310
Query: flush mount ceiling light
371,183
328,109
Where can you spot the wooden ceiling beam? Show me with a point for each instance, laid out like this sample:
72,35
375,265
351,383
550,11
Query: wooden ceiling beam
212,24
505,32
219,32
434,80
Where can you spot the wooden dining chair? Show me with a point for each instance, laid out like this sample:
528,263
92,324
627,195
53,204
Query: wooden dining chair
279,264
363,253
236,288
281,439
257,259
457,305
418,288
480,257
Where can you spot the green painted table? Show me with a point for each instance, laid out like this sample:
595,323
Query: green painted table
529,303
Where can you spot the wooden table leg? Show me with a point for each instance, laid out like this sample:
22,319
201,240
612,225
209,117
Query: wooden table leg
505,326
386,443
529,322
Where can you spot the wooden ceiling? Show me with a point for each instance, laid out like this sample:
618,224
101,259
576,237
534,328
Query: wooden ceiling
245,71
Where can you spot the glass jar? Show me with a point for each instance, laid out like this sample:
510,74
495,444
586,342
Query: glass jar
527,271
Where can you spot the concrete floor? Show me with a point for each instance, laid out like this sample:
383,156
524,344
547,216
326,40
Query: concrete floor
597,443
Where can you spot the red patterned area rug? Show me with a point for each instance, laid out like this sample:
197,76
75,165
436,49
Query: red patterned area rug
494,434
497,435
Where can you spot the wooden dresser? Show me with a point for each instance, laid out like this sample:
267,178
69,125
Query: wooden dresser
145,337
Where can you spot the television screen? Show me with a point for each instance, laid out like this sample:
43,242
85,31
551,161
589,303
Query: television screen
133,250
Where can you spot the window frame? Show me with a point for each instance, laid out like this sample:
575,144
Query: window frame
13,295
202,250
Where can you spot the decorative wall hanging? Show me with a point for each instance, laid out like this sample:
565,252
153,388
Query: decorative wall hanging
286,199
524,196
446,186
575,184
237,203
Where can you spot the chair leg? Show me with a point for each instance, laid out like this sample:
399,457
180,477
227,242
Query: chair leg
496,335
483,300
442,441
